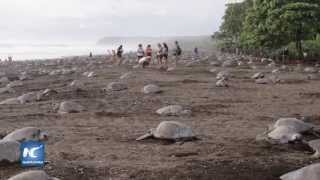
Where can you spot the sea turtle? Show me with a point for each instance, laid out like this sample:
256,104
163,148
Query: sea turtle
46,93
127,75
33,175
14,84
215,63
28,97
117,86
4,80
170,130
287,130
6,90
151,89
10,101
315,145
262,81
311,172
213,70
222,83
223,75
230,63
258,75
9,151
173,110
91,74
170,69
77,85
26,134
310,70
70,107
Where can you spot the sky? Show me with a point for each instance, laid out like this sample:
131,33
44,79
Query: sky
90,20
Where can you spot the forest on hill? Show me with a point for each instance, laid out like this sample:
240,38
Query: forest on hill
272,28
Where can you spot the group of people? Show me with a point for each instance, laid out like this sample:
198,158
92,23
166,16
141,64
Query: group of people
145,56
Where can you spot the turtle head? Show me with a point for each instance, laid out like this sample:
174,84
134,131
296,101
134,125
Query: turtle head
44,136
149,134
296,137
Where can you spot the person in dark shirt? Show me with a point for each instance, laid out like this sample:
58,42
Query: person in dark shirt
119,54
177,52
165,53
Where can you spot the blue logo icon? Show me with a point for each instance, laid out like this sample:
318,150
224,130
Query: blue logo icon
32,154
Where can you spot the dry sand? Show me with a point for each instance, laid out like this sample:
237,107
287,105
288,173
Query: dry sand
100,144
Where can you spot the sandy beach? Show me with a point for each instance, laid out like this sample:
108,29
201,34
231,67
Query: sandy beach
100,144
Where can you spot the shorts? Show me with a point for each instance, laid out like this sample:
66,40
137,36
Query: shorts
165,56
160,56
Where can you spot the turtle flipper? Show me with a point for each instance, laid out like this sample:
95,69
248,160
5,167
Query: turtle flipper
146,136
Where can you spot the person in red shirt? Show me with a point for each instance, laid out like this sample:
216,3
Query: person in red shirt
148,54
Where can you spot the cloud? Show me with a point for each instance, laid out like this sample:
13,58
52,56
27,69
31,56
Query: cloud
90,20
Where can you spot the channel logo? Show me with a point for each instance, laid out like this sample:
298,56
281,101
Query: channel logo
32,154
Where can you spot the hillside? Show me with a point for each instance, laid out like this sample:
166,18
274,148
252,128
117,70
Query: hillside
187,42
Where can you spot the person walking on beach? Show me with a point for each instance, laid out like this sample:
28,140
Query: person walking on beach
177,52
148,54
196,54
165,53
140,52
160,54
119,54
90,55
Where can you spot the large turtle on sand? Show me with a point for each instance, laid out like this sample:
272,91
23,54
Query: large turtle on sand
33,175
170,130
70,107
315,145
9,151
311,172
26,134
287,130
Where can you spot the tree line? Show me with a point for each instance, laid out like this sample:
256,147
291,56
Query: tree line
272,28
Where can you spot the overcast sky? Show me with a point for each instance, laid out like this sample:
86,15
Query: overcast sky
90,20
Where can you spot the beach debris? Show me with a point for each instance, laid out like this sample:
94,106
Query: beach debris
116,86
173,110
9,151
170,130
33,175
70,107
26,134
151,89
311,172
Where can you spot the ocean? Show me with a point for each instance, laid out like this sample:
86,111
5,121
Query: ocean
39,51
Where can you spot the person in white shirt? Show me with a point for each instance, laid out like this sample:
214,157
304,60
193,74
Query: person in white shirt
140,52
